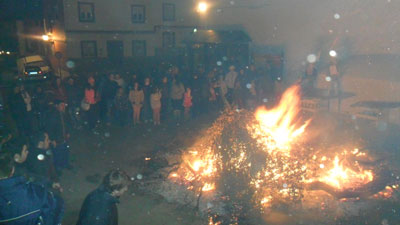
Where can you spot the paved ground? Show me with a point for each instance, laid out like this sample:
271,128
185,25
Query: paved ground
94,155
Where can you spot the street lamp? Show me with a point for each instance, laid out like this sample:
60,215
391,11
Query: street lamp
45,37
202,7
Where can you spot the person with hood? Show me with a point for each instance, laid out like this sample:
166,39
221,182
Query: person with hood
100,206
23,202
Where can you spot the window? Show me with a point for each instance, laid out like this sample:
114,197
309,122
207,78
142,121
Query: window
138,13
138,48
168,12
86,12
88,49
168,39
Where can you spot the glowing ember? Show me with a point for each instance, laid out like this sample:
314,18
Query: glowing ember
279,127
342,177
208,187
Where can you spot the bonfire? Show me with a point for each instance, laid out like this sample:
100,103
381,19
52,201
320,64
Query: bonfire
257,161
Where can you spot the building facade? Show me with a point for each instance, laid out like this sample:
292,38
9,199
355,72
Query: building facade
125,28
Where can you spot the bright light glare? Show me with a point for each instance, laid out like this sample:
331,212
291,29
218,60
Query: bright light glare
202,7
45,37
332,53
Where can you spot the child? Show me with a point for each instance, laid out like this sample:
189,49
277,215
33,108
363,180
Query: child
155,102
136,97
187,103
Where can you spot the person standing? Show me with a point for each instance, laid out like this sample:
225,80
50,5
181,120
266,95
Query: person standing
177,91
120,107
59,90
91,97
165,98
147,87
155,102
187,103
308,79
120,81
74,95
23,202
230,80
100,206
39,107
26,107
136,97
336,83
58,126
108,91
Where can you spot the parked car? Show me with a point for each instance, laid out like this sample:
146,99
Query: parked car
33,68
34,73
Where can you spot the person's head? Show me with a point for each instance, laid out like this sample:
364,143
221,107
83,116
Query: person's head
232,68
111,76
6,165
165,80
117,76
241,71
17,89
42,140
60,106
147,81
116,182
136,86
71,81
188,90
91,81
134,76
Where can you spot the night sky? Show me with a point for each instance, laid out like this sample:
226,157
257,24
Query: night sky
20,9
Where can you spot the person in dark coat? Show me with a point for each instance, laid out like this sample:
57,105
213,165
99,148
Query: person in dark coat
23,202
100,206
108,91
39,107
57,123
39,164
74,97
19,110
147,87
57,126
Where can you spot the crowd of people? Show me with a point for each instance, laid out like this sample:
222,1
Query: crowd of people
45,115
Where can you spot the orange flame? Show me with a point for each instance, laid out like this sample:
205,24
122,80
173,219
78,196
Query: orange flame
279,126
211,222
342,177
